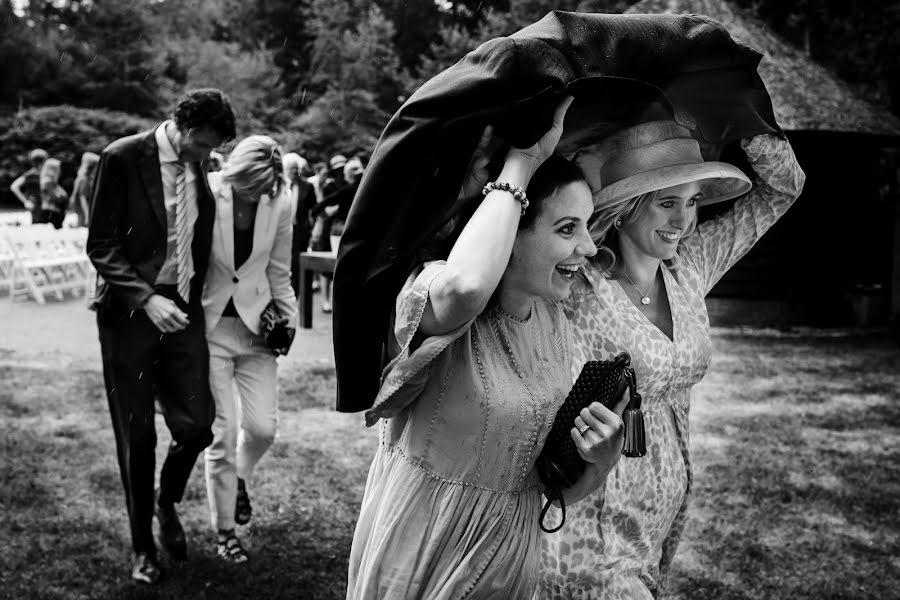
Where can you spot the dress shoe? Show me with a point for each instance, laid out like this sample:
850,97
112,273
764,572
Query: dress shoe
171,534
144,569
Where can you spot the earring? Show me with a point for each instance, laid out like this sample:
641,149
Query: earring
618,223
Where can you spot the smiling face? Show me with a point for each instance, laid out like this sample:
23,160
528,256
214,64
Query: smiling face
547,254
656,230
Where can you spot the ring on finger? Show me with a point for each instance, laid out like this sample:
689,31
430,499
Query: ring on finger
582,430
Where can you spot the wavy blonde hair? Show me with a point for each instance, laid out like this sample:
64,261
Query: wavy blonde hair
292,159
255,166
605,234
89,162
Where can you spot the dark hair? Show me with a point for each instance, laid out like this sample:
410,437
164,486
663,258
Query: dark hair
554,173
37,157
207,107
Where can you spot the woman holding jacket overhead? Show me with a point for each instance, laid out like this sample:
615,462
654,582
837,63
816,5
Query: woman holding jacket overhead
481,359
249,274
644,294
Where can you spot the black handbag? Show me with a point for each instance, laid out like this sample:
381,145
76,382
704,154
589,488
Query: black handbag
559,465
279,336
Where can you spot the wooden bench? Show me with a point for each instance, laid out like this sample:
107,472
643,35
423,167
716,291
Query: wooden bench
310,264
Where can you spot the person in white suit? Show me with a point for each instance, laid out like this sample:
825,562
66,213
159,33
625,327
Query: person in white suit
249,267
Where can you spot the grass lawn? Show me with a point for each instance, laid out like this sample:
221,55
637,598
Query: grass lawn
796,443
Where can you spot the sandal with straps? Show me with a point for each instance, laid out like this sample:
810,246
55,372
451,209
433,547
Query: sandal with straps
229,548
242,509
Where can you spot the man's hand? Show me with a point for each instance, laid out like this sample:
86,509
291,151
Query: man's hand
165,314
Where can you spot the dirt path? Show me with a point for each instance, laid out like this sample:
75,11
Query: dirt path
63,333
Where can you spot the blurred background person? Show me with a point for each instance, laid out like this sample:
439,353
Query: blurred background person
215,162
353,172
27,187
317,179
332,186
54,199
80,199
303,198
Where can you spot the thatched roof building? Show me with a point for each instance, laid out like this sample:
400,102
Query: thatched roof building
806,96
849,150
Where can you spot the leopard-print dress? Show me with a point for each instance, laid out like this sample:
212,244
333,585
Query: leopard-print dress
619,542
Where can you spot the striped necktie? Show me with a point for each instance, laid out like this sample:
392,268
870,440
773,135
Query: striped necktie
182,248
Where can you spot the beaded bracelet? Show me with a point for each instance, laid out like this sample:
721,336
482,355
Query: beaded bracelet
517,193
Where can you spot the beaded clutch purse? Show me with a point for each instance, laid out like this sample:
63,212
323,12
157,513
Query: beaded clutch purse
559,465
279,336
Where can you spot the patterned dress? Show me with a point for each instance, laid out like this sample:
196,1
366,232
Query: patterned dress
452,498
619,543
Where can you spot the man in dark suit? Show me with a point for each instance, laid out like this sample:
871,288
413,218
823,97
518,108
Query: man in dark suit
149,239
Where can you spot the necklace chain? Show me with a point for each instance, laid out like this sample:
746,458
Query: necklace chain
645,296
513,317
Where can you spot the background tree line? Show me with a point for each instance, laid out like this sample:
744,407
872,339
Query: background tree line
320,75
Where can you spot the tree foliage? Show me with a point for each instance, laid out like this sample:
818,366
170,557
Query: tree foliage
325,75
857,38
63,131
347,121
81,53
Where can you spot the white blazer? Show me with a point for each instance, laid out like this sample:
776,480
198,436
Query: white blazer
265,275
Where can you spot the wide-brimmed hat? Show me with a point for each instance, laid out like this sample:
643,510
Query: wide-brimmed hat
651,156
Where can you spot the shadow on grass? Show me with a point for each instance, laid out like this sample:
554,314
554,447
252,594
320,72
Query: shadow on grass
797,473
796,445
67,534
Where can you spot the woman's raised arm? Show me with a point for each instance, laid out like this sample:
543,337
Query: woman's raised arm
481,253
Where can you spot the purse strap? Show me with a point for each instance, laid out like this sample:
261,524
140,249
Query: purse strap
557,495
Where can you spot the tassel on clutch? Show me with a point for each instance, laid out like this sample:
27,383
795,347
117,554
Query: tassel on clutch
634,445
559,465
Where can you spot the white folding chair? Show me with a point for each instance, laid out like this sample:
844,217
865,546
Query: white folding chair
47,260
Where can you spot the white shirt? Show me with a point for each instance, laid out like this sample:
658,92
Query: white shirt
168,167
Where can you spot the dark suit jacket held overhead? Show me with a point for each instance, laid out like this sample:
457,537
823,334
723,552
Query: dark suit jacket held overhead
514,84
128,230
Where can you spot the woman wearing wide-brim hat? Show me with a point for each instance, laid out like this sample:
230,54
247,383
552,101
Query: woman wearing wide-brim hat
644,293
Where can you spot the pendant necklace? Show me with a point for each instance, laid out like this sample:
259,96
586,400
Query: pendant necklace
645,296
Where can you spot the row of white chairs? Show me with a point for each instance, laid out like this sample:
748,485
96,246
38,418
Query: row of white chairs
18,218
37,260
21,218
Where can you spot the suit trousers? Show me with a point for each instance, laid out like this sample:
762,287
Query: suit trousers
245,421
138,359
